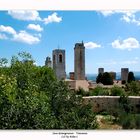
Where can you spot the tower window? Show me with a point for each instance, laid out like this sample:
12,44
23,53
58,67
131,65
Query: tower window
60,58
53,58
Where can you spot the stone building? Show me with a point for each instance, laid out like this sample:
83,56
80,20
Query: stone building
124,74
71,74
79,61
100,70
58,56
48,62
113,75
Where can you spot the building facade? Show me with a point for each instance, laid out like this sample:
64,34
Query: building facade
58,56
113,75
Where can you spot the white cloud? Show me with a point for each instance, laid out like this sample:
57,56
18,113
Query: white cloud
25,37
24,14
33,15
91,45
52,18
3,36
7,29
111,12
35,27
127,44
107,13
128,16
21,36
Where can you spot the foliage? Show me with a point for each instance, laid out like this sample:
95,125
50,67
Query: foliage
82,92
107,79
133,88
3,62
32,98
99,91
131,77
104,78
67,107
99,78
125,115
117,91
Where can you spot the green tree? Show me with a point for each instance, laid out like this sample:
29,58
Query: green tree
32,98
3,62
133,88
131,77
107,79
99,78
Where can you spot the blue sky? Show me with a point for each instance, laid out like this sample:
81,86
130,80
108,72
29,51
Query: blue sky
111,38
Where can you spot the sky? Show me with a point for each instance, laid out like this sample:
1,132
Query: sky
111,38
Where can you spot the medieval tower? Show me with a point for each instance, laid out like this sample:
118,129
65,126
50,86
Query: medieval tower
48,62
79,61
58,56
100,70
124,74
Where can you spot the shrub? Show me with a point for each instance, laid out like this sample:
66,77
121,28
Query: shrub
99,91
116,91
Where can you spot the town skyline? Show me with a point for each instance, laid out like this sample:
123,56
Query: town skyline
111,38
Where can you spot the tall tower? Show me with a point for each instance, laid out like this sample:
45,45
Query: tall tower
124,74
59,63
79,61
48,62
100,70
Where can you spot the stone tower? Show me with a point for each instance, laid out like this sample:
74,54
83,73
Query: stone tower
100,70
59,63
79,61
48,62
124,74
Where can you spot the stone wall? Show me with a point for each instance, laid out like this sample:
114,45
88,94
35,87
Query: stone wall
108,103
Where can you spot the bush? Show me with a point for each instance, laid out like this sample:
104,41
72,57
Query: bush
82,92
125,116
117,91
133,88
99,91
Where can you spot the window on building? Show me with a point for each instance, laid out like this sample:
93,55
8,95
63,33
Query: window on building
60,58
53,58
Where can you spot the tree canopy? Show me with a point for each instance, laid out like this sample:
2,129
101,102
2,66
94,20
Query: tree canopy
32,98
104,78
131,77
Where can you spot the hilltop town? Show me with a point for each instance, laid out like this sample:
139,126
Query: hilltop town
77,78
